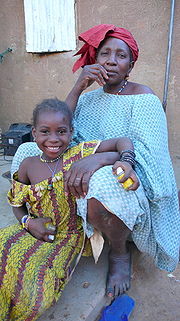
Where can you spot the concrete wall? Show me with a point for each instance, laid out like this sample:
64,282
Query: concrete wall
28,78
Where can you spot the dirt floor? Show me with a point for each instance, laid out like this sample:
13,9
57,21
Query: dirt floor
156,293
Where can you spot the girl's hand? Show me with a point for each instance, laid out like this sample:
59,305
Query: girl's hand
91,73
37,228
128,173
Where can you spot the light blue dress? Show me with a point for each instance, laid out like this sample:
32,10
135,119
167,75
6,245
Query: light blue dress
151,212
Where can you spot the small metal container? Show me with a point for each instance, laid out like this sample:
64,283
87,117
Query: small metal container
119,174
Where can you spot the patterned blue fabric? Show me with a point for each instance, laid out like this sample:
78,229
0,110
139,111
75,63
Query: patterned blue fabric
151,212
24,150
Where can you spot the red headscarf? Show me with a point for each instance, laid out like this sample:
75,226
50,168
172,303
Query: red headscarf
93,38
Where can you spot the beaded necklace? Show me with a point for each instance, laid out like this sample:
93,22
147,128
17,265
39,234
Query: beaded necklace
53,171
51,160
121,89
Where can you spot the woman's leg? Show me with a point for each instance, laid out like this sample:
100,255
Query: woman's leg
118,279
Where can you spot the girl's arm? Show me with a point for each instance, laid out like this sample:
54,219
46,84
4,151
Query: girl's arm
36,226
20,211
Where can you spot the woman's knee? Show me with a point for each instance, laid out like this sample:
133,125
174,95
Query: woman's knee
98,215
95,211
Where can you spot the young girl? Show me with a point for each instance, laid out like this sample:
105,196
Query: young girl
39,254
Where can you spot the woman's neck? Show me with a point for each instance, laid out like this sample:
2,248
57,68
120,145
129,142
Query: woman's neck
115,88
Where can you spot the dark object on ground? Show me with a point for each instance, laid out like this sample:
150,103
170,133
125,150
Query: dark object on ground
17,134
119,310
7,175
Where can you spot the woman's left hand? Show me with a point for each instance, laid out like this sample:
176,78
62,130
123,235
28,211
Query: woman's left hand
76,179
128,173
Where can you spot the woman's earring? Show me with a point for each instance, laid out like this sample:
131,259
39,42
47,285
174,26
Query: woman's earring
127,77
34,139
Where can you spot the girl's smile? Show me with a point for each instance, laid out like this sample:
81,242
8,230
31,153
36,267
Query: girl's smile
52,133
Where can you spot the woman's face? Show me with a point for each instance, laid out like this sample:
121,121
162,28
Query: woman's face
114,56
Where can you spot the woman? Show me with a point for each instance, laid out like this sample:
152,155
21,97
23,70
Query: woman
121,108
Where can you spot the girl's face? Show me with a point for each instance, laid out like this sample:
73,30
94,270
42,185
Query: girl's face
52,133
114,56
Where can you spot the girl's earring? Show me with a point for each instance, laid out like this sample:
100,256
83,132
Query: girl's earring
34,139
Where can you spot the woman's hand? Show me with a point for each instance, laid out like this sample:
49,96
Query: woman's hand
76,179
128,173
37,228
91,73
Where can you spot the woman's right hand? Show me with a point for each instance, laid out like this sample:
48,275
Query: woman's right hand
91,73
37,228
128,173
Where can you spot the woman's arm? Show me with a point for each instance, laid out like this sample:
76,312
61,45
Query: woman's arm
125,148
115,145
108,153
88,75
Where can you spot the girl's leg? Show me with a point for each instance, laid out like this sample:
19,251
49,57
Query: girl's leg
118,279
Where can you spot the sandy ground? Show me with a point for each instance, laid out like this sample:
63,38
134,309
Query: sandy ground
156,293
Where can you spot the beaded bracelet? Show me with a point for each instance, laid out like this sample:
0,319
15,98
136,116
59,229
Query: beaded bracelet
129,160
128,151
128,156
25,221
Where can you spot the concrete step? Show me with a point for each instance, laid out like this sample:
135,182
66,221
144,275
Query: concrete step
83,297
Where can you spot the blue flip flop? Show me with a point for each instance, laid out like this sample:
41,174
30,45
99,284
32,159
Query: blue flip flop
119,310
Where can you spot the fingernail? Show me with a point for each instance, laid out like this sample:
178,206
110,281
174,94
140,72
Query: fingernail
51,237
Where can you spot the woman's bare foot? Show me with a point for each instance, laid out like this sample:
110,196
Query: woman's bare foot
119,274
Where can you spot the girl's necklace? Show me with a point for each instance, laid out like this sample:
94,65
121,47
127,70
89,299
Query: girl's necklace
51,160
53,171
121,89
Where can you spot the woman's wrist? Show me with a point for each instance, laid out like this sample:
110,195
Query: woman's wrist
73,97
128,156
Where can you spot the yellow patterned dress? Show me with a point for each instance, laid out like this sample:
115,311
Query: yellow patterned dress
34,273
